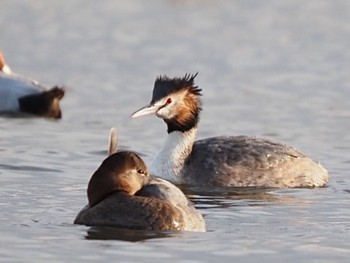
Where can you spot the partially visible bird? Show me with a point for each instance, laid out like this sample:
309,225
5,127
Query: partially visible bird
19,94
121,193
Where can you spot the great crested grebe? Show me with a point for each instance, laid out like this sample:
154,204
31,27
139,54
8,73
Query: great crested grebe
21,94
233,161
121,193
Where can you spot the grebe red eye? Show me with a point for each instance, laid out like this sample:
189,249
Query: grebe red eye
168,101
140,171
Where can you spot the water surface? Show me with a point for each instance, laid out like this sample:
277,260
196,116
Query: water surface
277,69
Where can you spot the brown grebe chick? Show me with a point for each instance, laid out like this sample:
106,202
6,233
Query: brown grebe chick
122,194
234,161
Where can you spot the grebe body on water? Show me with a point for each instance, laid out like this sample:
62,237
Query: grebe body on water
228,161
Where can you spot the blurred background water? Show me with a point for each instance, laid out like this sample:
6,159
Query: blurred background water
277,69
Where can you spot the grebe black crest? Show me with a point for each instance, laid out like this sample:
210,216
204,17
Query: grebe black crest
234,161
165,86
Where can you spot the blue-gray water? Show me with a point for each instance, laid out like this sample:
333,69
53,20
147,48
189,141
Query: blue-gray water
277,69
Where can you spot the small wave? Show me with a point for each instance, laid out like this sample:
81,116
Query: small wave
27,168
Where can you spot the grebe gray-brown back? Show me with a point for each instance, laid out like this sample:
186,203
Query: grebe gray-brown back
21,94
121,193
233,161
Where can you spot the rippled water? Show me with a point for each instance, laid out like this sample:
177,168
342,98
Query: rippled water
278,69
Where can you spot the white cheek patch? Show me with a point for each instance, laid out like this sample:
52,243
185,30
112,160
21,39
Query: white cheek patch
166,112
170,110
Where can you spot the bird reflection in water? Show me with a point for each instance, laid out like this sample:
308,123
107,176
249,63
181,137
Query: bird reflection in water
131,235
225,197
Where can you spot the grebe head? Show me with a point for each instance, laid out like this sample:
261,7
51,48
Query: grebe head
122,171
176,101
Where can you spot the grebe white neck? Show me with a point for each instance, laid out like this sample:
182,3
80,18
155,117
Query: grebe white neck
170,160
